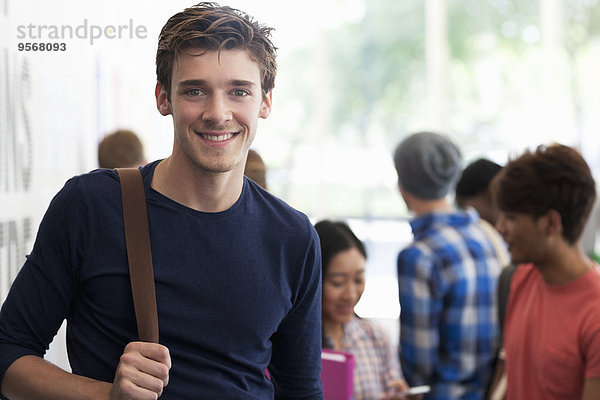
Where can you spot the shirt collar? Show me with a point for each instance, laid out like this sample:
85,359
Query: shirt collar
439,219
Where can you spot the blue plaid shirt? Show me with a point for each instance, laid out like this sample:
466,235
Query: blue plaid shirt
447,286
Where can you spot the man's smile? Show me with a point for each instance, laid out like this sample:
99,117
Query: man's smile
217,136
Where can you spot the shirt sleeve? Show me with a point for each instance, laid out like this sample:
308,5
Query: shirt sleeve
392,367
592,349
39,298
295,365
420,309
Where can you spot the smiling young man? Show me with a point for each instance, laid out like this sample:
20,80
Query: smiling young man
237,271
552,328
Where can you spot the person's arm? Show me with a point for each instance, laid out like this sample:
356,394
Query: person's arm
142,373
32,377
591,389
395,383
419,316
39,300
295,366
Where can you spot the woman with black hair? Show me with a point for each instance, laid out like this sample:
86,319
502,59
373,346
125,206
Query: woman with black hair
377,373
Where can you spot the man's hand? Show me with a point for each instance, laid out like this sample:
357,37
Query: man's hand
142,373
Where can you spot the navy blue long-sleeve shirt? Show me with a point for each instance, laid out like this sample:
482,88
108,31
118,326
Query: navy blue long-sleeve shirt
237,291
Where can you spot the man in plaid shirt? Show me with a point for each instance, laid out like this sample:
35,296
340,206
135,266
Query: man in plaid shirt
446,277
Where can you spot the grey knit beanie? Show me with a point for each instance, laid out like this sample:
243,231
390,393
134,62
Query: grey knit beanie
428,165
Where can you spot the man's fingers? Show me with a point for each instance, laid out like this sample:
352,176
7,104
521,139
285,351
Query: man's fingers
136,365
139,386
143,371
157,352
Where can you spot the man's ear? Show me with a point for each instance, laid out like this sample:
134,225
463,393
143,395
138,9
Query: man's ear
162,102
265,107
554,222
406,196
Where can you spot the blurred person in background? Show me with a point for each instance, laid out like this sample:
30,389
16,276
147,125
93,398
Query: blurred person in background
121,149
256,169
447,277
473,190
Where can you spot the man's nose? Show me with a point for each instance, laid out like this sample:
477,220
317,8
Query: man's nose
217,111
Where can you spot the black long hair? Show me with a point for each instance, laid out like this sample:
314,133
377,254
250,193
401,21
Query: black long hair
335,237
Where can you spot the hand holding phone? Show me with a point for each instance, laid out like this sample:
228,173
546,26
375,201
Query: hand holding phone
416,390
400,391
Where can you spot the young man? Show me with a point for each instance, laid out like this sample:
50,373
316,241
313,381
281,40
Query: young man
552,329
237,271
473,189
446,277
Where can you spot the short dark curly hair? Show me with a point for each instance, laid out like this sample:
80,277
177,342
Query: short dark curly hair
209,26
554,177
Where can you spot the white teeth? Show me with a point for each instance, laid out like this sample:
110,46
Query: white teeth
219,138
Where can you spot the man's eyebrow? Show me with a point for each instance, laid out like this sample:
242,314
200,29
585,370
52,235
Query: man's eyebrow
202,82
242,82
192,82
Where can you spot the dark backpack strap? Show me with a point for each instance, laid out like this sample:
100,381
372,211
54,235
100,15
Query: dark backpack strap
498,378
137,239
503,293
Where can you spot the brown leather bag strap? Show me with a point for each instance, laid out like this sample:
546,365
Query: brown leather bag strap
137,239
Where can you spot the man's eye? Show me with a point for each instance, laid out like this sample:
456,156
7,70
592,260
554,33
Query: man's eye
240,93
194,92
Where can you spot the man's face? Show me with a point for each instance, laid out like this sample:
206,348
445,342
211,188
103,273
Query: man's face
483,203
525,236
216,100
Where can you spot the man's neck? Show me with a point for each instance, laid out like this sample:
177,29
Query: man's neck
200,190
564,263
422,207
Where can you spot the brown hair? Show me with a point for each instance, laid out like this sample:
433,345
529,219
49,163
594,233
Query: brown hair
552,177
212,27
121,148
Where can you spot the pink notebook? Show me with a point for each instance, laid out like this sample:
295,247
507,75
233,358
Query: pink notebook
337,375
